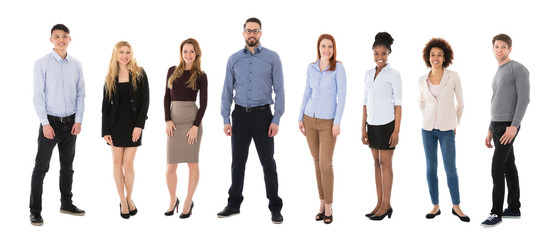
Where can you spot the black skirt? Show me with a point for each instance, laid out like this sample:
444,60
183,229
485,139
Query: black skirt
379,135
122,129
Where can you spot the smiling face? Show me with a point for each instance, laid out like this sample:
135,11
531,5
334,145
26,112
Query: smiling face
124,55
436,57
252,34
61,40
380,55
501,51
326,49
188,54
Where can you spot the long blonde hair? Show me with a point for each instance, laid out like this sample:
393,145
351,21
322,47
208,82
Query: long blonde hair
113,70
195,70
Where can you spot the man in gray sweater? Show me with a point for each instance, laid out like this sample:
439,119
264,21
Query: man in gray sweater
509,101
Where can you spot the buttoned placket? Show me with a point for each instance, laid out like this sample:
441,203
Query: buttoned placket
250,78
64,79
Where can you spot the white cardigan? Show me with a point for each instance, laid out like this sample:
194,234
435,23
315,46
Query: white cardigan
449,116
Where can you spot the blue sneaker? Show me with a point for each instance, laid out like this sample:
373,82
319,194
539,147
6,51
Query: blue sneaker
509,214
492,221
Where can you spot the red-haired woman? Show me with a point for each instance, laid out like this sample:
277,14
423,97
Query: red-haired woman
320,117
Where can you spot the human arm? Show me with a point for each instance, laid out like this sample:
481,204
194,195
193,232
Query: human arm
227,96
305,98
459,98
393,141
144,102
279,89
365,139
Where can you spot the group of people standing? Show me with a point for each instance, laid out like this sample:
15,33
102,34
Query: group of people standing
253,75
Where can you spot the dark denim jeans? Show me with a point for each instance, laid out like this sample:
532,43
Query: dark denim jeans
66,147
504,167
447,141
248,126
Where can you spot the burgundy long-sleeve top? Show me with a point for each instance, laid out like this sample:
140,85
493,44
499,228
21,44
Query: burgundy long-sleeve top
181,92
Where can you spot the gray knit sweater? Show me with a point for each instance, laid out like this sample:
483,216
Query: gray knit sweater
510,95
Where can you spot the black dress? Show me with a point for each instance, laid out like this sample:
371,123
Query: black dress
122,129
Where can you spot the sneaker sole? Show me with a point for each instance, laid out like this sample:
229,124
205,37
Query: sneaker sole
72,213
230,215
488,226
275,222
512,217
36,224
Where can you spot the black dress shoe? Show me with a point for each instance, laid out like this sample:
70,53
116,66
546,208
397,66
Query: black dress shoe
72,209
433,215
133,212
370,215
463,219
183,215
36,219
123,215
228,212
379,218
276,217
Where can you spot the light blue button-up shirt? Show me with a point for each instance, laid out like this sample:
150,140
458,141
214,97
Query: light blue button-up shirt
59,87
325,93
254,77
381,94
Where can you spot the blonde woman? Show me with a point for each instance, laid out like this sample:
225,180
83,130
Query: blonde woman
183,121
124,110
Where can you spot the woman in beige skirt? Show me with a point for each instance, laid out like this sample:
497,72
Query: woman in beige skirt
183,122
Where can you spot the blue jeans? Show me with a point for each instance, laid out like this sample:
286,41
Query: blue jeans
447,142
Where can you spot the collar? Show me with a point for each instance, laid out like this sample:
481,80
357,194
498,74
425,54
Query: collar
316,66
257,50
386,68
57,57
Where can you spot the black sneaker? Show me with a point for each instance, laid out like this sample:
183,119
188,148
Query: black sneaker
228,212
72,209
36,219
276,217
509,214
493,220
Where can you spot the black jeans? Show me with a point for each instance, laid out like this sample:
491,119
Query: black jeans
504,167
66,147
248,126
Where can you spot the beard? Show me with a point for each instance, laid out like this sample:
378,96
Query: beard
252,43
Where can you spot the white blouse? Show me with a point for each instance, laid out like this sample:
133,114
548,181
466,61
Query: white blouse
381,94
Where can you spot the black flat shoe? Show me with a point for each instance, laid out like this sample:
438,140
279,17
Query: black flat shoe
276,217
463,219
183,216
433,215
320,216
133,212
175,209
124,215
379,218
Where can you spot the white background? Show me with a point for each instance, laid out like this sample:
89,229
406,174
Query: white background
291,28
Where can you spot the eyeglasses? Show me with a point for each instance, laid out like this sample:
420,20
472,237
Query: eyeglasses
254,31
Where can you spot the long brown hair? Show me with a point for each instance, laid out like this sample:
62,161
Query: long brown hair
195,70
113,70
333,60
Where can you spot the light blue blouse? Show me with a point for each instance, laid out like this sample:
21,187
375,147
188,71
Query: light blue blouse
325,93
381,94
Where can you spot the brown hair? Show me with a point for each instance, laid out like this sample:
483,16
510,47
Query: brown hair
504,38
195,69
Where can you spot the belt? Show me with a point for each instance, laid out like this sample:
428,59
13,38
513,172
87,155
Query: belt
61,119
252,109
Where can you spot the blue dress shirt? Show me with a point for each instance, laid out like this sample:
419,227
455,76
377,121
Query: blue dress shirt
381,94
254,77
325,93
59,87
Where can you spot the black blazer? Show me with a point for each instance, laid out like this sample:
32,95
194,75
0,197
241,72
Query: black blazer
139,104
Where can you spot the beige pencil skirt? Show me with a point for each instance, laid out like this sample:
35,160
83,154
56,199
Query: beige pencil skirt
183,114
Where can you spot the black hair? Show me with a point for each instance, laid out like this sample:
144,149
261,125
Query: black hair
254,20
444,46
59,27
383,39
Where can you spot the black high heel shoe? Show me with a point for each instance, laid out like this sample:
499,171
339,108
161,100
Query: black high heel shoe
464,219
175,209
183,216
123,215
371,214
133,212
379,218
